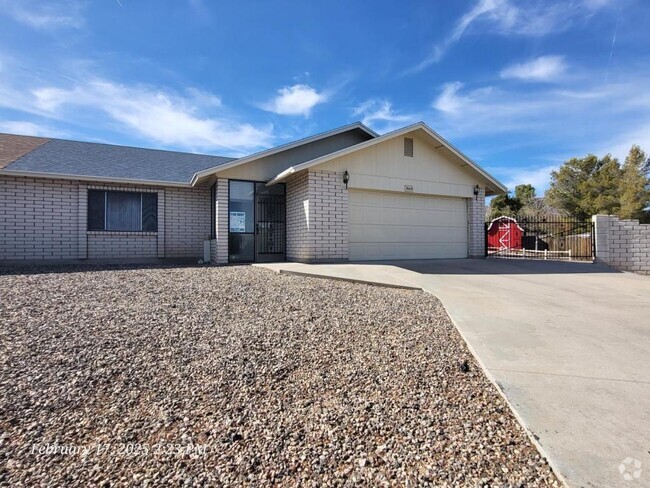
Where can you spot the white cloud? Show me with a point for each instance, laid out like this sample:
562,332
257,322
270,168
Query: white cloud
590,116
379,114
539,177
295,100
543,68
29,129
449,101
489,109
50,15
504,17
155,114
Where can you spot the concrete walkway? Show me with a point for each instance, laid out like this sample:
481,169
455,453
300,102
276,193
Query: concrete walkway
567,343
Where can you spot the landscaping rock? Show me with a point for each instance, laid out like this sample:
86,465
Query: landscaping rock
239,376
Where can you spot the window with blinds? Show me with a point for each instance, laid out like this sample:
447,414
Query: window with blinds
124,211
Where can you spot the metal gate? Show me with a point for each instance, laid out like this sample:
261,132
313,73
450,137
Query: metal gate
522,238
270,227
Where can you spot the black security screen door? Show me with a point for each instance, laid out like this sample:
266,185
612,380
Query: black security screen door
256,227
270,229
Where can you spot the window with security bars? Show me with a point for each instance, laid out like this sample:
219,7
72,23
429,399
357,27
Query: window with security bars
123,211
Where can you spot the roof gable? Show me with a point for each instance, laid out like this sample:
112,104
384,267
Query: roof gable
297,152
494,185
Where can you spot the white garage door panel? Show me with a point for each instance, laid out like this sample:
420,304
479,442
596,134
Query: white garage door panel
421,234
407,216
400,226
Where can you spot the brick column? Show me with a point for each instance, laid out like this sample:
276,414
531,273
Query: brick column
161,224
601,237
329,232
476,231
82,220
219,246
317,217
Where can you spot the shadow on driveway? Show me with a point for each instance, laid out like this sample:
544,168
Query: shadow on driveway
496,266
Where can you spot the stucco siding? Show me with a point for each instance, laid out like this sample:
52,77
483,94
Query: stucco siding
266,168
383,167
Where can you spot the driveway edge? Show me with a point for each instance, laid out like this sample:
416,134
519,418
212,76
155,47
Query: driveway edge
478,360
492,380
350,280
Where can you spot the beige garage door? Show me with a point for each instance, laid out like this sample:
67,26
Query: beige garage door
403,226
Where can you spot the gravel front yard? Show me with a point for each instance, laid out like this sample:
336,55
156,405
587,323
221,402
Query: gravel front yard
239,376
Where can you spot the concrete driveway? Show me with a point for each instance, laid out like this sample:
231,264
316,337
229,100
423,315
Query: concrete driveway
567,343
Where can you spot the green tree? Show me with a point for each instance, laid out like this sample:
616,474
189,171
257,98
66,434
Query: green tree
525,194
503,205
586,186
602,190
635,185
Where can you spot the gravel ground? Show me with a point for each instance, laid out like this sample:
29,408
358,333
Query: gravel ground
239,376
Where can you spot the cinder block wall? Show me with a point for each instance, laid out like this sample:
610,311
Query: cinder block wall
317,217
46,219
219,245
299,246
622,244
38,219
187,221
476,217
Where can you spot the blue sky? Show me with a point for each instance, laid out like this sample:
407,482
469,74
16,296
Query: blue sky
519,86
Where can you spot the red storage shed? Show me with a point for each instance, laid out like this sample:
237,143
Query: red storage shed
504,233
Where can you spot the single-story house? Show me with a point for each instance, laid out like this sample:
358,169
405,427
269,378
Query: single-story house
346,194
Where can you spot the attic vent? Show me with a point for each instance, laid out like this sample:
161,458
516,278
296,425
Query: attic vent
408,147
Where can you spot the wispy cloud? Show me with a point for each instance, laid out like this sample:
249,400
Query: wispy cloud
504,17
29,129
295,100
40,15
543,68
481,8
589,110
379,115
156,114
192,120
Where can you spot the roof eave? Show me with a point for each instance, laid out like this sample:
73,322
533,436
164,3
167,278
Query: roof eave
99,179
274,150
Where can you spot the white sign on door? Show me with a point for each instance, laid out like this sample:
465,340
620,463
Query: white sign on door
237,221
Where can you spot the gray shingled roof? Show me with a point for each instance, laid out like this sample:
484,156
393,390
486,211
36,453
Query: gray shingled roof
89,159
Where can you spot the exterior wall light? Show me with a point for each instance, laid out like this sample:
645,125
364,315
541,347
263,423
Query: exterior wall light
477,190
346,178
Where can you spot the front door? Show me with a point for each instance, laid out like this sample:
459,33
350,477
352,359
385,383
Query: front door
269,223
256,222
